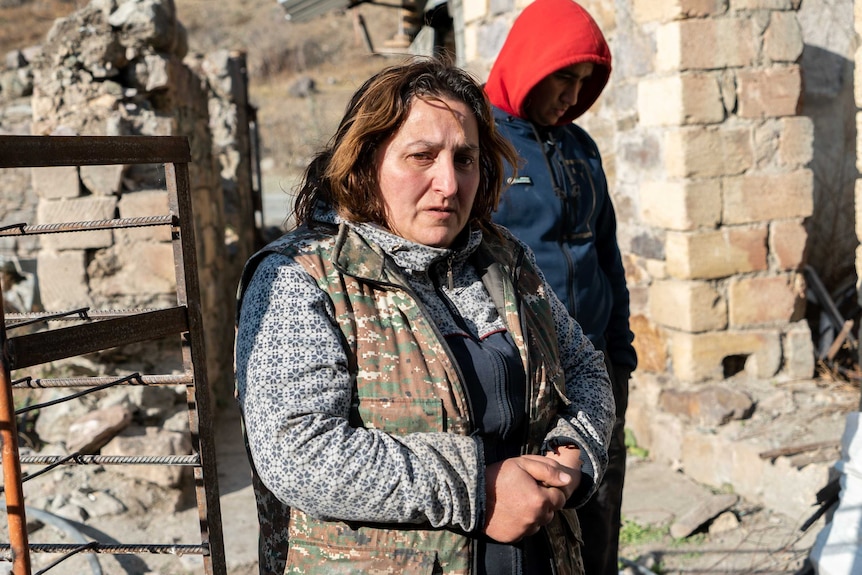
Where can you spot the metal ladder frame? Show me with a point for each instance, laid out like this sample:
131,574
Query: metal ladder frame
104,330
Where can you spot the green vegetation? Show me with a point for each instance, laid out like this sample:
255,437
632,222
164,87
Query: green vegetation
632,534
693,539
635,537
632,446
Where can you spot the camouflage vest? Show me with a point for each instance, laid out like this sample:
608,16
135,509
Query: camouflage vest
406,382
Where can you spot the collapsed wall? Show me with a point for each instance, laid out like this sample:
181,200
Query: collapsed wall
117,68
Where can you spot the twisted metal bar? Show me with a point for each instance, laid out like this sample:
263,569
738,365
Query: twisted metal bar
79,549
117,549
54,461
57,463
135,376
119,223
19,227
79,459
41,383
82,313
65,315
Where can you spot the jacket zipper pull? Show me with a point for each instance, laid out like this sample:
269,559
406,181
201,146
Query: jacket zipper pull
449,273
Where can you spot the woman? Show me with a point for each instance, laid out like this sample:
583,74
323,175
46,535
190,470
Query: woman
415,399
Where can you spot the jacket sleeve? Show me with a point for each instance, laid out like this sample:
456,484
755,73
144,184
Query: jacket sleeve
295,391
618,335
588,419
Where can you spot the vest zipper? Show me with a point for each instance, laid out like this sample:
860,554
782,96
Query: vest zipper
543,532
471,417
528,391
450,276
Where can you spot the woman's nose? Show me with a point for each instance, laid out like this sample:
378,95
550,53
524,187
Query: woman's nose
445,178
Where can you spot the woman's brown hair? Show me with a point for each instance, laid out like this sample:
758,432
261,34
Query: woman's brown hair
344,174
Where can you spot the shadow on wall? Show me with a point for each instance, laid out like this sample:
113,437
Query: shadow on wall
828,101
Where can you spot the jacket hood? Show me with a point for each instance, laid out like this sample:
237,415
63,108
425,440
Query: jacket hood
549,35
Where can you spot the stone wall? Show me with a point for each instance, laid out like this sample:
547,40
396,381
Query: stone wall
709,162
225,72
117,68
16,204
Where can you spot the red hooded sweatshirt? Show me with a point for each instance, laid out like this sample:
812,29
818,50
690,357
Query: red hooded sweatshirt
549,35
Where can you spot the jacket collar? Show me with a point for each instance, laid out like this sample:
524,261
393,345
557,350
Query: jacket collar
368,250
523,127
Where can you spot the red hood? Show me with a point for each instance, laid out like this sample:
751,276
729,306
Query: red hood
549,35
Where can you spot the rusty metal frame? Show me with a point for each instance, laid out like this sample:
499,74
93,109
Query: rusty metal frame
104,330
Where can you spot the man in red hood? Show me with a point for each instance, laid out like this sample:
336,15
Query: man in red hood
551,69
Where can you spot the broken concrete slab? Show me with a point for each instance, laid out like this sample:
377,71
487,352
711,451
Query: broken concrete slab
701,514
645,496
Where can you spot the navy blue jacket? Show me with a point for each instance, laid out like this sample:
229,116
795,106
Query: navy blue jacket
559,205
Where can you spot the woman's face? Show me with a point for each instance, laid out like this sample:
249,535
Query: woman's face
428,172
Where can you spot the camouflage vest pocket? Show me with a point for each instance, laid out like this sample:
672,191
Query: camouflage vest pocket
564,535
399,415
307,557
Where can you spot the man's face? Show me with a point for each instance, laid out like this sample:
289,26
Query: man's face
556,93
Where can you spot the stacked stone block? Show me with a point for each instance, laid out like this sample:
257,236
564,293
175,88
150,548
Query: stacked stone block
225,73
735,189
708,161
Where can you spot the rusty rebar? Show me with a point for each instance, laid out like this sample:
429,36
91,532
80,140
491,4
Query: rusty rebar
31,318
96,380
81,459
116,549
111,383
73,552
22,229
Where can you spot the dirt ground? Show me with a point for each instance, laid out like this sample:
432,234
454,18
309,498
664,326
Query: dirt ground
756,541
762,542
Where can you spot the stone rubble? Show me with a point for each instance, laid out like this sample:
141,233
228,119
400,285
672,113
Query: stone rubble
119,68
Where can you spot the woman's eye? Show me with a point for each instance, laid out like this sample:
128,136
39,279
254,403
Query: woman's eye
466,160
